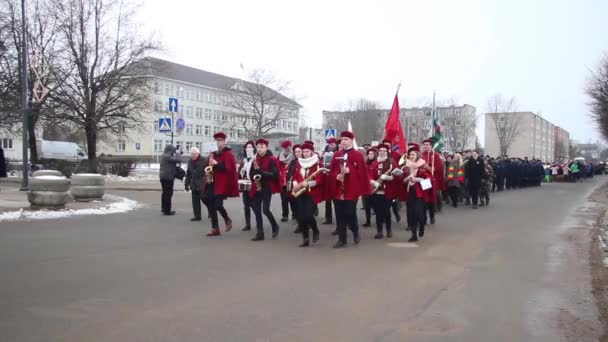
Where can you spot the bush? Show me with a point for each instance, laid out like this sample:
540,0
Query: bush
118,167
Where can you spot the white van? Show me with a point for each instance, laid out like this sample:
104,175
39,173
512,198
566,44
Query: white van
60,150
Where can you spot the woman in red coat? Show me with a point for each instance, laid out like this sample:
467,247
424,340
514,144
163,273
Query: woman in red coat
383,183
415,172
306,203
224,184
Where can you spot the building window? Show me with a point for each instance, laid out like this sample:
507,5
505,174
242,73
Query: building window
224,117
167,90
198,145
155,125
158,145
457,123
207,114
199,129
198,95
189,129
188,94
7,143
240,134
216,115
189,112
215,129
199,113
232,134
179,145
180,92
457,112
207,131
208,98
121,146
156,88
188,145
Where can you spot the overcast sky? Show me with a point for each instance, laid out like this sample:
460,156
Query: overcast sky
539,51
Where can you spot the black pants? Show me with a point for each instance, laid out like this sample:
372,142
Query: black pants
382,207
261,204
305,215
247,205
197,198
328,211
453,192
286,203
430,209
367,206
166,195
415,212
215,204
474,192
396,206
346,216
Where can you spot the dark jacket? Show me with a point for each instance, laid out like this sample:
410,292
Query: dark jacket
474,171
168,163
195,176
2,164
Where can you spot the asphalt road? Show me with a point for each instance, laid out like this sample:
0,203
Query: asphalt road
503,273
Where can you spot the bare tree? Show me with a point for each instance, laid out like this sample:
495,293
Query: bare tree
597,90
505,121
260,103
106,80
366,116
458,128
561,148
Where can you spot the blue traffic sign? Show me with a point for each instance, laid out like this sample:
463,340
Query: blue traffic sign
138,146
180,124
165,125
173,105
330,133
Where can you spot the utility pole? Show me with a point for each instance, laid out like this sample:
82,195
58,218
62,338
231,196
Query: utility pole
310,133
24,102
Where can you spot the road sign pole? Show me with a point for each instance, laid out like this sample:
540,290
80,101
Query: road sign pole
172,127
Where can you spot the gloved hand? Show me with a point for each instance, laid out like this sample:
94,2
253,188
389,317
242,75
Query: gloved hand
187,187
386,177
397,172
375,184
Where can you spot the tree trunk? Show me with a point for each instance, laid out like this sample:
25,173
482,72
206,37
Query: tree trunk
91,133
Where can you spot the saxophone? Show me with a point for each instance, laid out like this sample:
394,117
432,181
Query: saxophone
343,185
297,194
209,171
257,179
381,181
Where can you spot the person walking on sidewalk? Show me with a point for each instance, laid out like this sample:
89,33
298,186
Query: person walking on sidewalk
167,174
474,171
195,177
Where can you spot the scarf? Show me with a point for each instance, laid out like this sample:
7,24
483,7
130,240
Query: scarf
413,167
307,163
285,159
246,167
459,173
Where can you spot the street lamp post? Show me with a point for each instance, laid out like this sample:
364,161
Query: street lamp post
24,102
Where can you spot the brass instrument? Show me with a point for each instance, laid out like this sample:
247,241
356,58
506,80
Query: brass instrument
209,171
380,181
257,179
342,167
297,194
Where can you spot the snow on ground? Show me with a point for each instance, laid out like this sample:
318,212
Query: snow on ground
122,205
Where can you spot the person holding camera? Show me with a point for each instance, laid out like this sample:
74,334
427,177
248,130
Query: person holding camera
167,174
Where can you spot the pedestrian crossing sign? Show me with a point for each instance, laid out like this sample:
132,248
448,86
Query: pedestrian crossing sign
164,125
330,133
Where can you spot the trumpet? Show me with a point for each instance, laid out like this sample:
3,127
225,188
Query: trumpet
381,181
258,182
209,174
300,191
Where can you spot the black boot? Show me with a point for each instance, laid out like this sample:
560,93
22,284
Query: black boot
340,244
246,228
258,238
414,237
305,243
284,219
275,232
389,232
356,237
421,231
315,236
366,225
334,233
379,233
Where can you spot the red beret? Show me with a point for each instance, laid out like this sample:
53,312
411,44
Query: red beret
250,142
387,141
413,147
309,142
384,146
261,141
307,146
219,135
331,141
286,144
296,146
429,140
372,149
347,134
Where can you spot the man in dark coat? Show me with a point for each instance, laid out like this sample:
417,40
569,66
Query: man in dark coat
195,177
2,164
474,170
168,166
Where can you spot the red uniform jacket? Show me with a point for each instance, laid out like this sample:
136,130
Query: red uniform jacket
422,172
395,156
438,179
390,188
356,183
225,176
283,172
270,171
316,191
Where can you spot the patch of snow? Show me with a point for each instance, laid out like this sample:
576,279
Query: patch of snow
49,177
122,205
88,174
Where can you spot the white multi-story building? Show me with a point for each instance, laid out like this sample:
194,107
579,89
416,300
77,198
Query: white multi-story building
204,103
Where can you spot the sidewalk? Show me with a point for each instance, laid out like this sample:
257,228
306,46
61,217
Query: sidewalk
127,185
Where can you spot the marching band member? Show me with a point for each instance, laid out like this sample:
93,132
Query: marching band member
415,171
330,149
384,190
348,180
297,153
223,183
395,156
265,176
245,179
433,160
305,168
367,206
285,158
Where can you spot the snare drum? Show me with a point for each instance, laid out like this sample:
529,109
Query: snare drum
244,185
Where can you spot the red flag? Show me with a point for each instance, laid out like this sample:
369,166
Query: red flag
394,132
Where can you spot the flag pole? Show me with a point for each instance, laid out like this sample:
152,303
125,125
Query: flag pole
433,136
